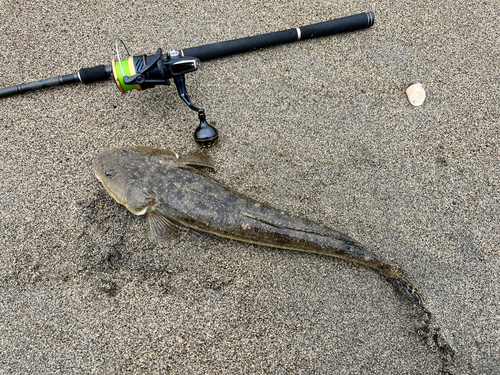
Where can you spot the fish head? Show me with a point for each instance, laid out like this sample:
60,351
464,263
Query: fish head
125,174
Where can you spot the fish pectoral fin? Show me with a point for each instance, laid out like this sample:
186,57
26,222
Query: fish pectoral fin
163,231
196,159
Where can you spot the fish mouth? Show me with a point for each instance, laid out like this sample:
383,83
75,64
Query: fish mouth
142,211
110,192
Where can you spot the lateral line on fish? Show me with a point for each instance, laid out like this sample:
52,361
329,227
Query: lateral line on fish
265,221
275,225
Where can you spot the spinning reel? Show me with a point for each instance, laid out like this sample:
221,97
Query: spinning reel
144,72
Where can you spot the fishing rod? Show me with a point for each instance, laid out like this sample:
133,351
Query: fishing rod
144,72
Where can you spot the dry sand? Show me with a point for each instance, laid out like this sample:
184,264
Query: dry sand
320,128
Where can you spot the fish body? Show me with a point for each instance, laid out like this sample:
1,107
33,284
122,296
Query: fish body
173,195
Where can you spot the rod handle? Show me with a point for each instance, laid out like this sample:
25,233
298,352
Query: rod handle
94,74
341,25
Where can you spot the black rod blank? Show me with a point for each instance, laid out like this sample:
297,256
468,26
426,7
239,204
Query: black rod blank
44,83
85,75
232,47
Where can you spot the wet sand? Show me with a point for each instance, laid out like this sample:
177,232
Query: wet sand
321,129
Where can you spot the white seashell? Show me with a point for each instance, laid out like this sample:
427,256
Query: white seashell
416,94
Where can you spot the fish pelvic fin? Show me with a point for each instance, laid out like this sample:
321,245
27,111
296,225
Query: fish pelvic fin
163,231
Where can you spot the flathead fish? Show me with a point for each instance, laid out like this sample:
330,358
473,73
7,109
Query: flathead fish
157,183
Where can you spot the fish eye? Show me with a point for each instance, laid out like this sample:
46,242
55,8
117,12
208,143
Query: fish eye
123,153
110,173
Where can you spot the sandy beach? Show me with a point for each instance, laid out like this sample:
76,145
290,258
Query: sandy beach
321,129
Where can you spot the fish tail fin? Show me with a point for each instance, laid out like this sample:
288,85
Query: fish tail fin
406,287
365,257
359,254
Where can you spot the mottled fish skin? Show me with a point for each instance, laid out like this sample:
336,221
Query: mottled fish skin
174,195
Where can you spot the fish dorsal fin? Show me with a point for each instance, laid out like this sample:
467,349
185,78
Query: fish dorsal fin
156,153
153,151
196,159
164,231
